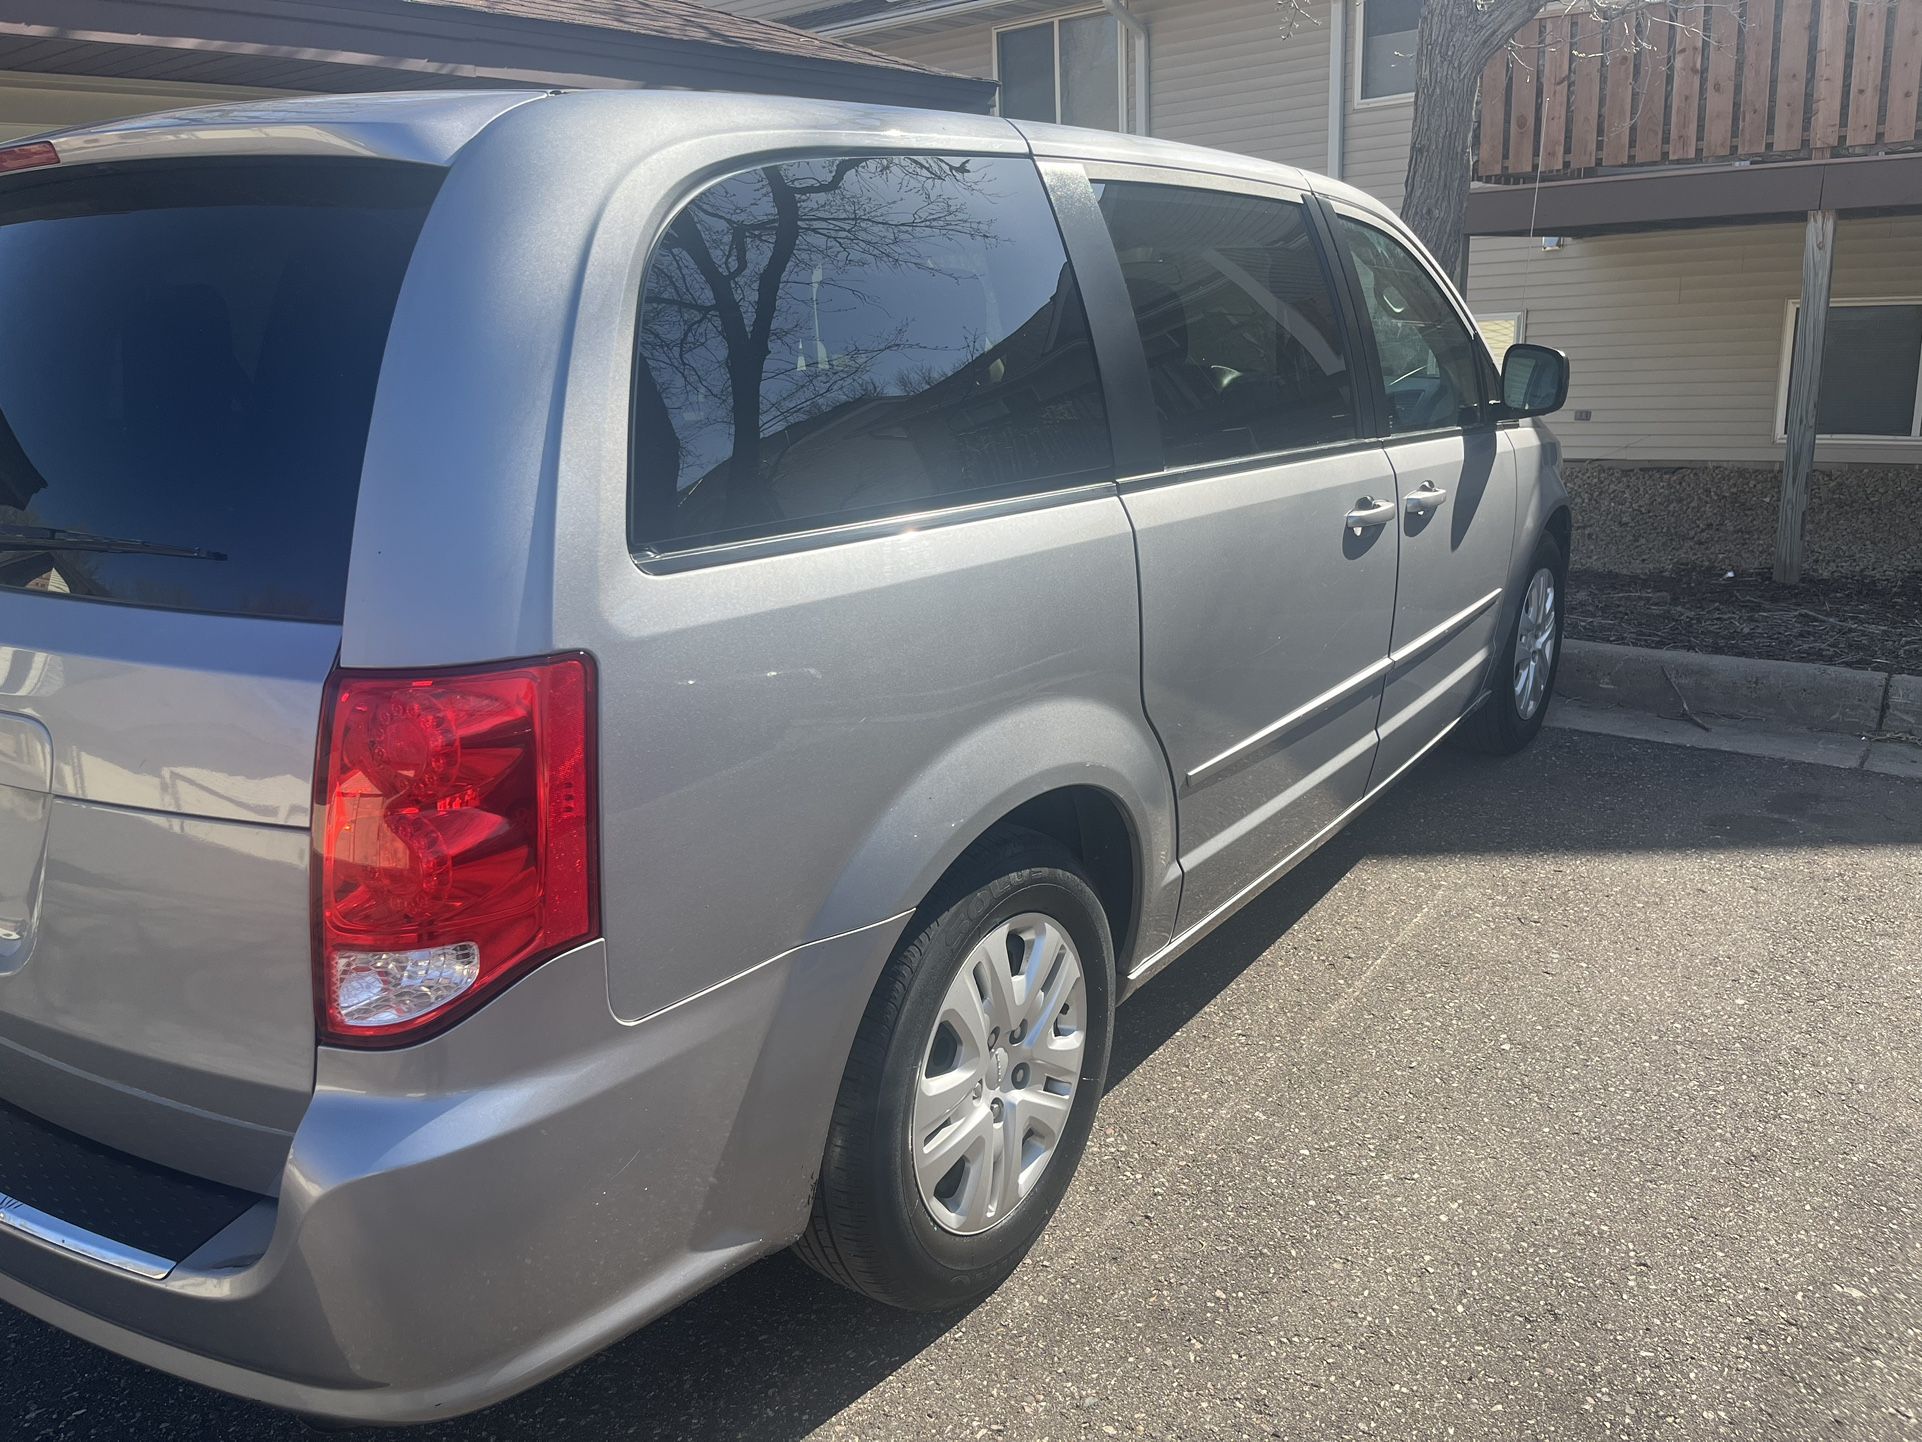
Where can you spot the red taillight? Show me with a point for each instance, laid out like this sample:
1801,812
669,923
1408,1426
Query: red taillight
453,840
28,157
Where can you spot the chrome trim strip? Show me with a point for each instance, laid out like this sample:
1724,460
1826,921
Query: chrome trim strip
1242,465
1187,177
832,533
1147,968
1433,637
1401,656
1339,691
16,1215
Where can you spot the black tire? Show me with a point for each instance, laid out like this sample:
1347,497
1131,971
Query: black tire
871,1229
1497,726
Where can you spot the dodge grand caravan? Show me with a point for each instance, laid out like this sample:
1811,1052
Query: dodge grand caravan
593,686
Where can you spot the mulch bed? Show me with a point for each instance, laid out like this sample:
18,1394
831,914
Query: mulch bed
1871,625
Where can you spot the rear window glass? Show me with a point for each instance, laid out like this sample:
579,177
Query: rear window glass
187,364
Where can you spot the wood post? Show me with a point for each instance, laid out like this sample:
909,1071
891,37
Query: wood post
1805,385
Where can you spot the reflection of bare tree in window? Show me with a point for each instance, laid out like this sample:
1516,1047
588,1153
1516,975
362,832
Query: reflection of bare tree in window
752,287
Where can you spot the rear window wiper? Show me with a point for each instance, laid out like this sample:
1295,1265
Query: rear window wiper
56,538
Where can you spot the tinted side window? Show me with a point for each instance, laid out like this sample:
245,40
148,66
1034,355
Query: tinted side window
840,339
1431,365
1236,311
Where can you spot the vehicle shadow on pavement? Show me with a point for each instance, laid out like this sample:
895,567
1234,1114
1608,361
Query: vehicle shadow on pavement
1152,1016
771,1353
1459,803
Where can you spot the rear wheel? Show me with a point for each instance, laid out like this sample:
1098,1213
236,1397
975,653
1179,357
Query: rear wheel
973,1082
1524,676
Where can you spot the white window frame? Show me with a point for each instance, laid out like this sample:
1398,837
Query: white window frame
1356,100
1053,22
1519,319
1789,311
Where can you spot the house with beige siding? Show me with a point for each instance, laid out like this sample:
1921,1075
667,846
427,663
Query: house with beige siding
1643,188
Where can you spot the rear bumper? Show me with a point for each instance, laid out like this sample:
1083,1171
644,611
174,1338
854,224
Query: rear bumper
461,1219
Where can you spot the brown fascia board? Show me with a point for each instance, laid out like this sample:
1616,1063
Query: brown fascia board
1696,196
447,41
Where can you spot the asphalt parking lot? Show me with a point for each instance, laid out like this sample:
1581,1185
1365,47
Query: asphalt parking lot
1574,1096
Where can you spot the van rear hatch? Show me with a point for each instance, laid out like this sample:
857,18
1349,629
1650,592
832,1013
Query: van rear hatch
188,355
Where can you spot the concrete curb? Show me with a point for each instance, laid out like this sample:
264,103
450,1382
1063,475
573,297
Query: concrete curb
1787,693
1902,716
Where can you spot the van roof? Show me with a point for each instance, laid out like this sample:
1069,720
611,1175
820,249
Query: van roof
427,126
430,127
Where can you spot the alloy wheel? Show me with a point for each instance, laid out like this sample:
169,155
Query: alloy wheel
999,1073
1535,645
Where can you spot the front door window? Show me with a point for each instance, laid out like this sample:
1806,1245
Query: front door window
1431,363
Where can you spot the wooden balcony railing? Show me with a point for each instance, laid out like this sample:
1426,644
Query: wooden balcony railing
1690,82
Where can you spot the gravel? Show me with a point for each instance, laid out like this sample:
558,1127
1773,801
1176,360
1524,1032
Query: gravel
1682,559
1871,626
1864,522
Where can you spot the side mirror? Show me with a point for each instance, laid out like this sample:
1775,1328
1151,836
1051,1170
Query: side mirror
1534,380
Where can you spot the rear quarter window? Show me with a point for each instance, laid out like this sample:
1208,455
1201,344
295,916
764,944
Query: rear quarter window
187,371
842,339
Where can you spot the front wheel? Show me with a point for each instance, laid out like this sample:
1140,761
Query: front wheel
1524,676
973,1082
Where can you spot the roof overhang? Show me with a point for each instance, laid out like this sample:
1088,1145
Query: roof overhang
1684,196
385,44
892,14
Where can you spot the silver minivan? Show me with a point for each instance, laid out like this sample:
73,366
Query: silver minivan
596,685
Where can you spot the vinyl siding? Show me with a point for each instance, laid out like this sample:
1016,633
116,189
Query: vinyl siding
1375,147
1674,338
31,103
1225,73
1376,153
965,50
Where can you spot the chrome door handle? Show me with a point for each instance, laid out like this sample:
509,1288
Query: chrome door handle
1425,498
1369,513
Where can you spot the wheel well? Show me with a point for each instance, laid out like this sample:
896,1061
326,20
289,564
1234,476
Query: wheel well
1091,824
1561,525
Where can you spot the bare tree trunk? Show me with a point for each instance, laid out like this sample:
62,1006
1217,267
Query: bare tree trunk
1440,153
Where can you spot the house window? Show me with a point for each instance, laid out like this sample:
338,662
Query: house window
1065,70
1385,68
1501,331
1871,370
